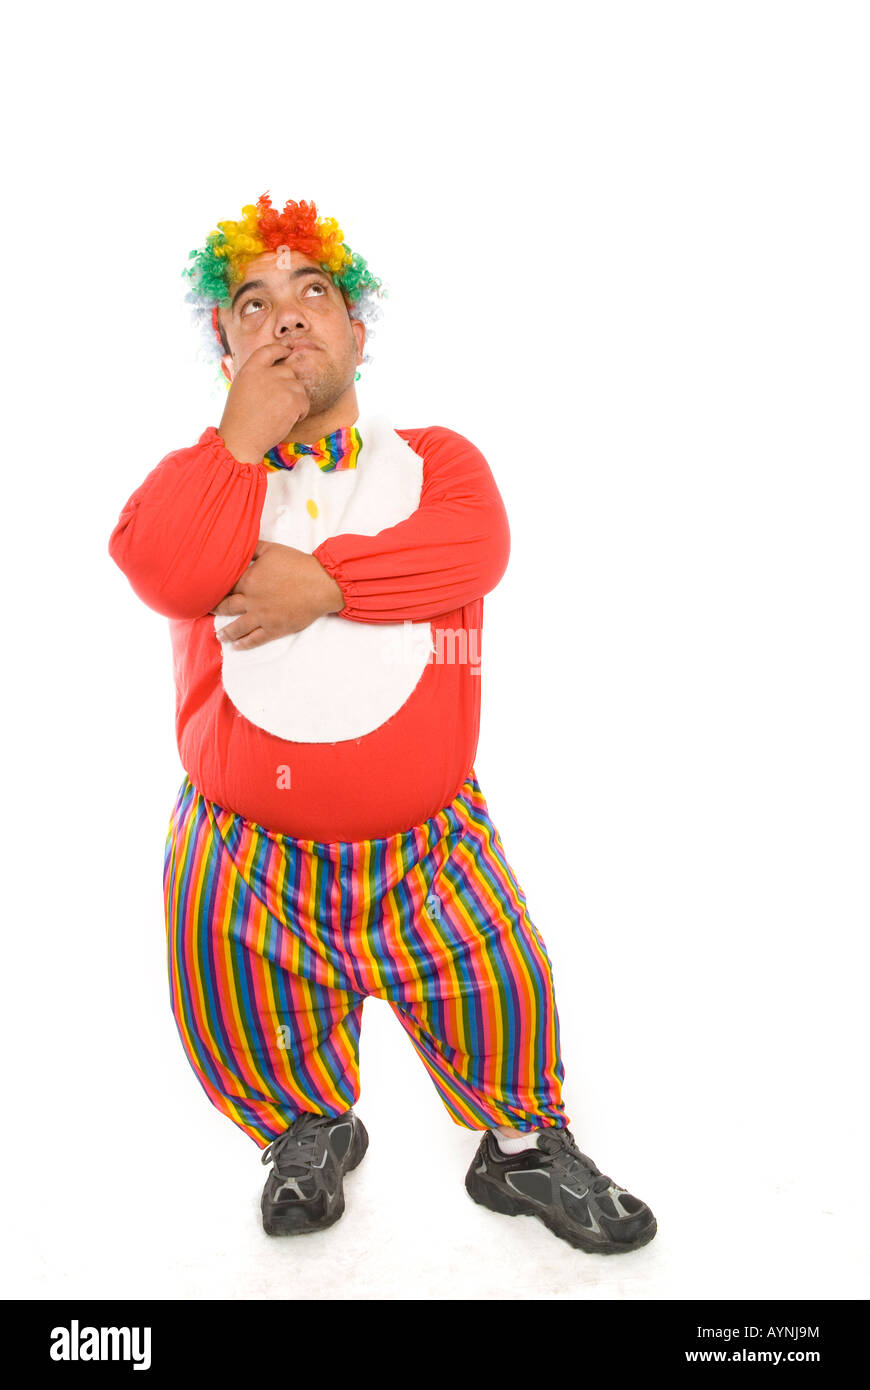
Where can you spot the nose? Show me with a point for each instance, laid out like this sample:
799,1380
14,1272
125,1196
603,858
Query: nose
290,317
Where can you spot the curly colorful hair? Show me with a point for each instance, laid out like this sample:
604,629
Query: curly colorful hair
227,251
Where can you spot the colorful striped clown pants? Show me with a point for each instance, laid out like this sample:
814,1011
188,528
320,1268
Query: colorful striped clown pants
274,943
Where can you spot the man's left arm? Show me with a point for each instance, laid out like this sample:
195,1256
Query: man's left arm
452,550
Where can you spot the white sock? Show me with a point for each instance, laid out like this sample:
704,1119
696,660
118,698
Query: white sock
517,1142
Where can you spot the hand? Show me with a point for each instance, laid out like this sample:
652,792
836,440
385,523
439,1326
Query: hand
283,590
266,399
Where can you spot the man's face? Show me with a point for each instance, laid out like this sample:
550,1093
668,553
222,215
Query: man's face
285,297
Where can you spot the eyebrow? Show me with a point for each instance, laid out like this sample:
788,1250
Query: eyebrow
261,284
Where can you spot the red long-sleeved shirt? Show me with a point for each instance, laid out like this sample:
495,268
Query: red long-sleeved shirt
184,539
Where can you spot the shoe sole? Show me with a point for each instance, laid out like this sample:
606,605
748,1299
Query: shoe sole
295,1219
488,1193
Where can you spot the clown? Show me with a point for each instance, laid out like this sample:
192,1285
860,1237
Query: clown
330,841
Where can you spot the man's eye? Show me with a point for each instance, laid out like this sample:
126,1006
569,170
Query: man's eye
250,303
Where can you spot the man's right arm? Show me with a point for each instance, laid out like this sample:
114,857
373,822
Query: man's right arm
189,532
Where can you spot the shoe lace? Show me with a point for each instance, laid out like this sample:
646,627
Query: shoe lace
562,1142
292,1150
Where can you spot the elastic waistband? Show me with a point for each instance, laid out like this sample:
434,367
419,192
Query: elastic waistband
454,817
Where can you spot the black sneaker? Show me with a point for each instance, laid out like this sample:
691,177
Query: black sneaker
304,1191
563,1188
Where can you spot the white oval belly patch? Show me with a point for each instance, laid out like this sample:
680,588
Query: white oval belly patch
335,679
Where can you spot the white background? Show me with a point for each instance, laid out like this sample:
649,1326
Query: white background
626,251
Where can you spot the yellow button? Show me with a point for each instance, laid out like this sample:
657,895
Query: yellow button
312,507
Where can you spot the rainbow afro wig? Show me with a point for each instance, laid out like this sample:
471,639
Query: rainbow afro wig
228,249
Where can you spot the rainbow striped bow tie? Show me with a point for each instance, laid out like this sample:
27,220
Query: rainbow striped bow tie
337,450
